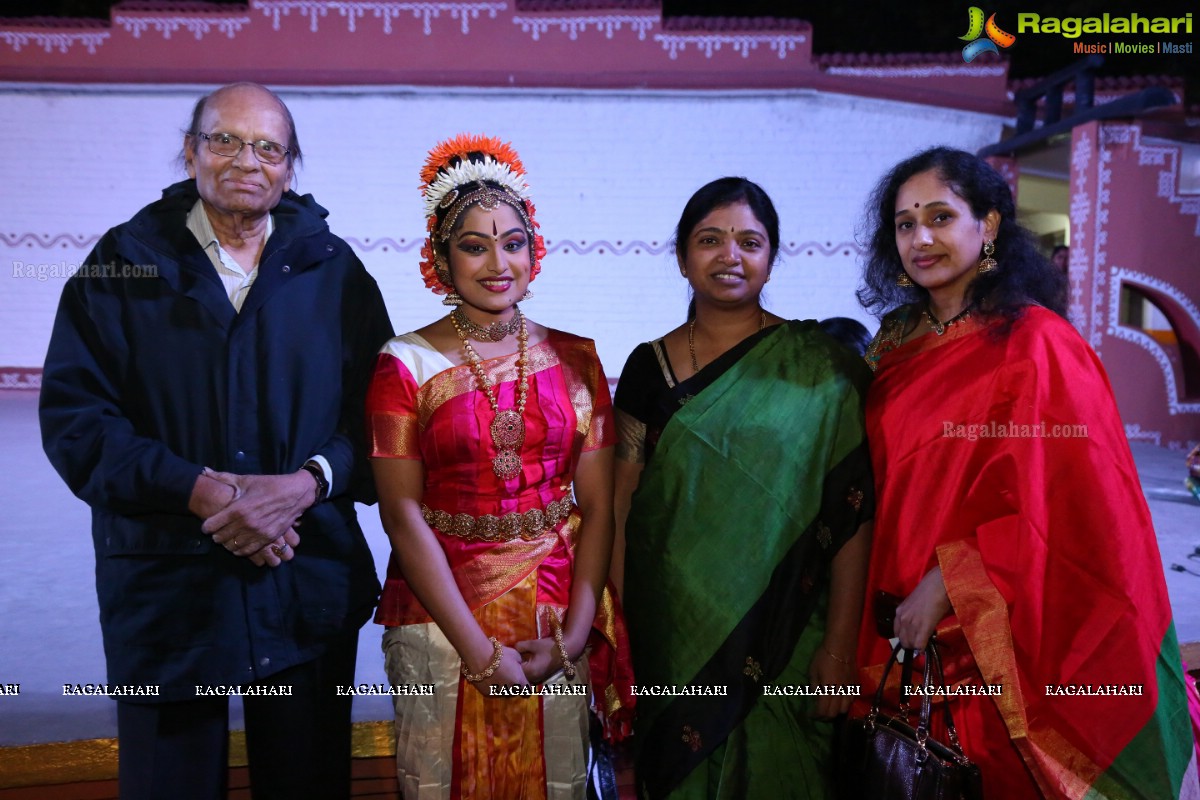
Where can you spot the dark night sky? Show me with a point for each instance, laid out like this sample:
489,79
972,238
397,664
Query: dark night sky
908,27
891,27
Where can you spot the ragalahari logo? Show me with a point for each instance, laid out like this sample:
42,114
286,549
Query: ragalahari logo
977,28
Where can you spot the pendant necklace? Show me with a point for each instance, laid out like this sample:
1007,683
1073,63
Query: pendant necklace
940,327
508,426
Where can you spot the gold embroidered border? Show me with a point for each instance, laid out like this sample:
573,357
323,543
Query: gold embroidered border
461,380
597,431
1055,763
582,376
887,338
631,438
394,435
483,580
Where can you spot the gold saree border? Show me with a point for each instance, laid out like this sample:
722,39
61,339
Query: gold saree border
460,379
922,344
394,435
582,377
1057,766
96,759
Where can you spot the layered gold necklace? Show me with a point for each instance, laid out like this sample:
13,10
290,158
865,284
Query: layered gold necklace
508,426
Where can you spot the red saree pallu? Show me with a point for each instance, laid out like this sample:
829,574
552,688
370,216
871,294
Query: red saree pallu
1002,459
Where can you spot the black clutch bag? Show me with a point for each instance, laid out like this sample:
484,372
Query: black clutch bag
881,757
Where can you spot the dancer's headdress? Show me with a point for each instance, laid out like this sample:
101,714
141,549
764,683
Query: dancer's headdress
465,171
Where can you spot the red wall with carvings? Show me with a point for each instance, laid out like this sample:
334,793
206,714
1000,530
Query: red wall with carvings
1130,225
623,44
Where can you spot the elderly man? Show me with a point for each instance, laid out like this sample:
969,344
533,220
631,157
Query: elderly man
211,416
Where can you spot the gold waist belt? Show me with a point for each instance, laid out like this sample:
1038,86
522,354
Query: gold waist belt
527,525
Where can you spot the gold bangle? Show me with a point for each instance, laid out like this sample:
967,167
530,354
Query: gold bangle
491,668
556,626
847,661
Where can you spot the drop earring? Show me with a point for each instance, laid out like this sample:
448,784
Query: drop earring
987,263
442,269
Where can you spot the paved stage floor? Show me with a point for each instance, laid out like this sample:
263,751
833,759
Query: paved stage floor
49,629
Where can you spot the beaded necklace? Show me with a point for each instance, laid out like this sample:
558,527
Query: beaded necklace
940,327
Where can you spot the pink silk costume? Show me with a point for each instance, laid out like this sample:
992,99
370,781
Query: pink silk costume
500,746
1047,552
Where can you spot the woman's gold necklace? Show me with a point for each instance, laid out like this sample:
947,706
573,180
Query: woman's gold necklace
762,323
508,426
495,332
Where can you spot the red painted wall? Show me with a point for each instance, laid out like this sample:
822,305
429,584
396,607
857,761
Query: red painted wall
467,43
1129,224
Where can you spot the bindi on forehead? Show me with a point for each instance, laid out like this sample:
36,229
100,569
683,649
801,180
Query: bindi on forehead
916,205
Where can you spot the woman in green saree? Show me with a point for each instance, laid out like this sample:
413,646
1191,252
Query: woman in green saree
744,493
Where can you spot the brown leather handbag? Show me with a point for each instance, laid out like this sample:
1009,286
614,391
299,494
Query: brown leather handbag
882,757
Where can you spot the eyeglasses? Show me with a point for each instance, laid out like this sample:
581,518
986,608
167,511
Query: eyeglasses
228,145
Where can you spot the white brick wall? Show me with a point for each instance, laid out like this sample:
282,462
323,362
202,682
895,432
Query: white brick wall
603,167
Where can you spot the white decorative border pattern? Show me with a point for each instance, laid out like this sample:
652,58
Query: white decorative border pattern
1102,97
48,41
1128,334
573,25
45,240
1080,211
21,378
1134,433
1108,135
1168,157
925,71
781,43
618,247
387,11
197,25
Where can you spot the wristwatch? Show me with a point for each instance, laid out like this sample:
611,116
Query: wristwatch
314,469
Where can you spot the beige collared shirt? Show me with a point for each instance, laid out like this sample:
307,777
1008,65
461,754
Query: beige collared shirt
236,281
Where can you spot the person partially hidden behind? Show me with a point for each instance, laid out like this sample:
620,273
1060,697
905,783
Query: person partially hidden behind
211,416
1061,257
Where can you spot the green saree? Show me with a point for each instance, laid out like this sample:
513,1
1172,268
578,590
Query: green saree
758,473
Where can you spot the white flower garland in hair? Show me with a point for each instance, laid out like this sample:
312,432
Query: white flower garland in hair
465,172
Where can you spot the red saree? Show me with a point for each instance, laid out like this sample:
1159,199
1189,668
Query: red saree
419,405
1005,462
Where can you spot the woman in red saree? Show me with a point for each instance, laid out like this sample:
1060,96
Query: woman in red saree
1010,518
491,443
